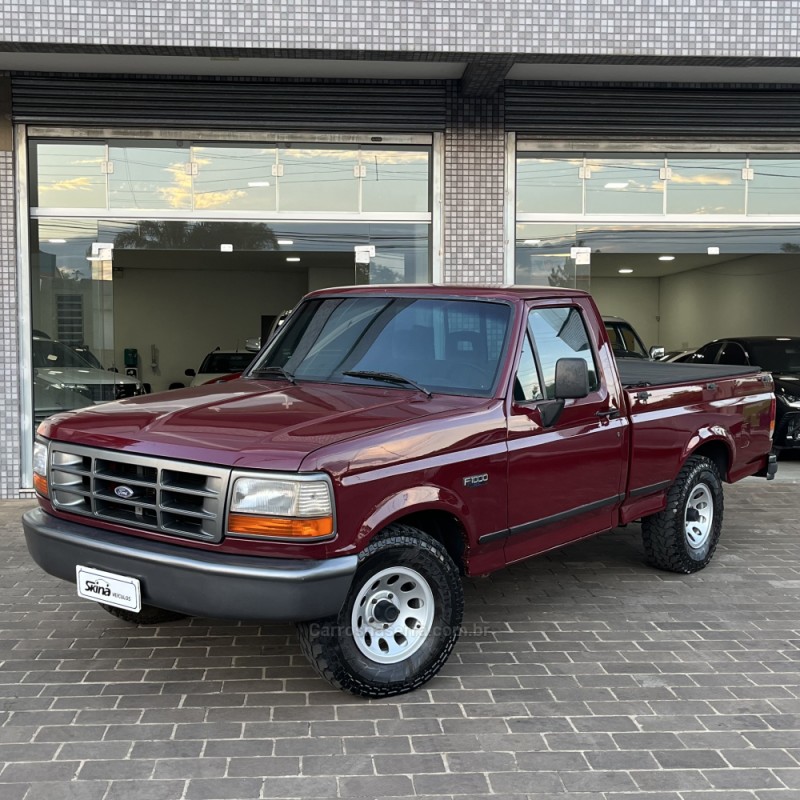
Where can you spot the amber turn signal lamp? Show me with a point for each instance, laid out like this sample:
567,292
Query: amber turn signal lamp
280,528
40,484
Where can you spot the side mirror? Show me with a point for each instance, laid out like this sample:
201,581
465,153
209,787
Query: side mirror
190,373
572,379
657,351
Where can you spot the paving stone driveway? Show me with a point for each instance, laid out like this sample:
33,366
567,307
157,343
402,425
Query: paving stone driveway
583,674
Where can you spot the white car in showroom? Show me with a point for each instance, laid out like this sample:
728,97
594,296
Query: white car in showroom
220,365
65,378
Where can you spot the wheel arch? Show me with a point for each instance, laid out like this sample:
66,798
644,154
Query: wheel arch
428,508
718,450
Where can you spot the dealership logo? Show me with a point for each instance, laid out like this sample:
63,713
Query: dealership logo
125,492
98,586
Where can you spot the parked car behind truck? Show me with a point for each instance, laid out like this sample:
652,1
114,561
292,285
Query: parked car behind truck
388,441
779,355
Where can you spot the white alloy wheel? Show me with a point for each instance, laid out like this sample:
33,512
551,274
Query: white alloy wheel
699,516
392,615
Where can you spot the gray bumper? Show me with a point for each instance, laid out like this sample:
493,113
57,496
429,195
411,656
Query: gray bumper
195,582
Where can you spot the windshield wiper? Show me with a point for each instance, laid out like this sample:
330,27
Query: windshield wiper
387,377
267,371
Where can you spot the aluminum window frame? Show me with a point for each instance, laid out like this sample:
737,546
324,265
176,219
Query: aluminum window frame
24,212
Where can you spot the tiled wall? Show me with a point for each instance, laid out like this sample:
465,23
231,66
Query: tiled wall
474,188
740,28
9,362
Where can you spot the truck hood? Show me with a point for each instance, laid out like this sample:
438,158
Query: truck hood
247,423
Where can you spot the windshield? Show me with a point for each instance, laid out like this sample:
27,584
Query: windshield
48,353
779,355
624,341
450,346
226,362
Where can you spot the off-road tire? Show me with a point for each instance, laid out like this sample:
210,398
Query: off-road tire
667,544
149,615
331,644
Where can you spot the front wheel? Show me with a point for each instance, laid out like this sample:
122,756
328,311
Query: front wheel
399,623
683,537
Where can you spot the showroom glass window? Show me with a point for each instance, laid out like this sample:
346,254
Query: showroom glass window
170,248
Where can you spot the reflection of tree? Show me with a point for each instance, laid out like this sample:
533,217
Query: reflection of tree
179,235
562,275
375,273
790,247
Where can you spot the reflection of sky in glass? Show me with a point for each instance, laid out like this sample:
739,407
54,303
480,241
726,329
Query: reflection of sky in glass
549,185
775,188
706,186
70,175
234,178
624,186
149,177
319,180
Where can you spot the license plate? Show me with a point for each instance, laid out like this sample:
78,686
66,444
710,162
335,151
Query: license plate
109,588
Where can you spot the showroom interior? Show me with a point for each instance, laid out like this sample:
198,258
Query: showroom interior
159,205
173,249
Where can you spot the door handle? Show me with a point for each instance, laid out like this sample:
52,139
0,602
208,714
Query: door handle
608,413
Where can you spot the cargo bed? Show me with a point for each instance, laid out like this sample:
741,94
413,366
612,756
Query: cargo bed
638,372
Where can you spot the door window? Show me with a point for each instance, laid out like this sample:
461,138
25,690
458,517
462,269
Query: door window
733,353
527,387
560,333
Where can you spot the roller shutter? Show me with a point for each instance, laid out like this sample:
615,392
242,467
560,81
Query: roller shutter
229,104
655,112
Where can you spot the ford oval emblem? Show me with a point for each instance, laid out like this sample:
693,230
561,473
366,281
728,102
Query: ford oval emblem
125,492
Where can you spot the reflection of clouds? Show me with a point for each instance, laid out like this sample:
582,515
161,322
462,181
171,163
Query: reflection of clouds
180,195
702,180
217,199
84,183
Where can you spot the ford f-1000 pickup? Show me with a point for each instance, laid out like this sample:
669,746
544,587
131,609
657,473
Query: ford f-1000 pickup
387,441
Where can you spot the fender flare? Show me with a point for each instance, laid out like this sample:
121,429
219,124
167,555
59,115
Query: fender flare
413,499
708,435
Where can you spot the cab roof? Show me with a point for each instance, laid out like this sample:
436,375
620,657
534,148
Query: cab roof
452,290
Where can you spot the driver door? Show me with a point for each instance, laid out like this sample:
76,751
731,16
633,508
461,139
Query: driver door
565,481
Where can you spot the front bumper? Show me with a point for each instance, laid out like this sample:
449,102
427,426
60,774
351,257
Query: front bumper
196,582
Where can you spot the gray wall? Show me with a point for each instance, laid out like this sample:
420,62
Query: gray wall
404,29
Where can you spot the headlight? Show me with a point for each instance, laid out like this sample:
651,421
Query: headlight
281,508
81,388
40,468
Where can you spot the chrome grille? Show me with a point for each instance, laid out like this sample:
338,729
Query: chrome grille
155,494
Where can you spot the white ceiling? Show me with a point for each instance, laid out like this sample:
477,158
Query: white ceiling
380,69
652,72
259,67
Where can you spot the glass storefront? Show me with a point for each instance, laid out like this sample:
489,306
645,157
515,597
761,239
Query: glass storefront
688,247
147,255
659,184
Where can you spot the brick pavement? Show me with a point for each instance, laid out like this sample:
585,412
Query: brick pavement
582,674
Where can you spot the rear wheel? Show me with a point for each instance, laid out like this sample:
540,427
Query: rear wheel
399,622
149,615
683,537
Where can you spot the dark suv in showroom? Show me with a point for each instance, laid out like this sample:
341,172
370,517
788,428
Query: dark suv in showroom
779,355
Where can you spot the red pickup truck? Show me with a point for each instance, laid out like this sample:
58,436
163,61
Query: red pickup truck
388,441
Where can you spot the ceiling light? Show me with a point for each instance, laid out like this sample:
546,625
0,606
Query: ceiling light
285,241
625,271
292,259
57,241
621,185
666,258
532,241
257,183
713,251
